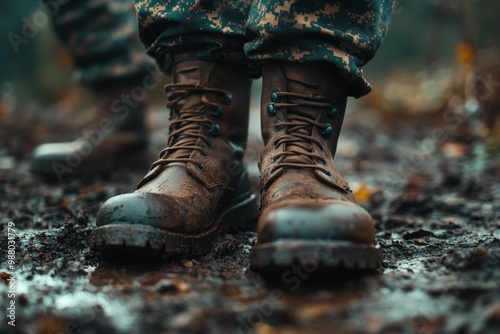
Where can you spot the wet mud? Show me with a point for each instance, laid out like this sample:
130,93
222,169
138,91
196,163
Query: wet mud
437,222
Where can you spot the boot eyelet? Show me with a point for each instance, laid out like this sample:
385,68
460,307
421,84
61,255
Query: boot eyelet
200,167
274,95
219,113
214,130
334,113
328,175
328,131
227,98
204,154
271,110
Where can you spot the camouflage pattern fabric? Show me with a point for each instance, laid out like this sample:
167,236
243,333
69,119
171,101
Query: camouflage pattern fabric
344,33
102,36
194,29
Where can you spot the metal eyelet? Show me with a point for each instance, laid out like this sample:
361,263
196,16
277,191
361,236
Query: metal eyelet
204,154
334,113
200,167
328,175
328,131
274,95
227,98
271,110
214,130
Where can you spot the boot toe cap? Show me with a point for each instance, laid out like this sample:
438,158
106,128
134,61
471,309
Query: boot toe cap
329,220
50,152
147,209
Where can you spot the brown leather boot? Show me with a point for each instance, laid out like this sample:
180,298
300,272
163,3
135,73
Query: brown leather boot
114,138
309,215
198,186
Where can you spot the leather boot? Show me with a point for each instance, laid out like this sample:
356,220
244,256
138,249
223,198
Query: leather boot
116,136
309,215
198,187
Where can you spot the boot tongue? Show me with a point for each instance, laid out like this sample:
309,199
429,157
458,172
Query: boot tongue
306,83
313,75
303,82
186,73
299,158
189,73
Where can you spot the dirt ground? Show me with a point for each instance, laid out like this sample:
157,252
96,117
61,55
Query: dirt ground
437,218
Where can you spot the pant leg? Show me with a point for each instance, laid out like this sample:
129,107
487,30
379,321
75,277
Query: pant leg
102,36
344,33
194,29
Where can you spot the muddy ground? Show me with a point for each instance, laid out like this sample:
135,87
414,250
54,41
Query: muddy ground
437,218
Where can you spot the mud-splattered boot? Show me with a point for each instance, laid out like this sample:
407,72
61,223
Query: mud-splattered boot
198,186
309,216
115,137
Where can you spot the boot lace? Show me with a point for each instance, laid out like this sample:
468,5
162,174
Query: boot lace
298,141
188,125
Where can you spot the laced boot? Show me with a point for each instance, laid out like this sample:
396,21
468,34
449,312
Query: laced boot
309,215
116,136
198,187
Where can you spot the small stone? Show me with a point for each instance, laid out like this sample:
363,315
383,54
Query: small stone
5,276
7,162
172,285
188,263
165,285
420,242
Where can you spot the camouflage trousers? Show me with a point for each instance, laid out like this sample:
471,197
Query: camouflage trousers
102,37
344,33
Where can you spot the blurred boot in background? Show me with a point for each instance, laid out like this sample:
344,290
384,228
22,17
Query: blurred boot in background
110,60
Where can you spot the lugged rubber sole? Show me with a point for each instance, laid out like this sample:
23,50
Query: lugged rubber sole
314,255
141,240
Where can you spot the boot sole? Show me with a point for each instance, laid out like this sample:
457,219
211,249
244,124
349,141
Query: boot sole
140,240
136,159
314,256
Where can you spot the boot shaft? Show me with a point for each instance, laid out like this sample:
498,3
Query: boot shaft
318,82
228,110
303,108
209,104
